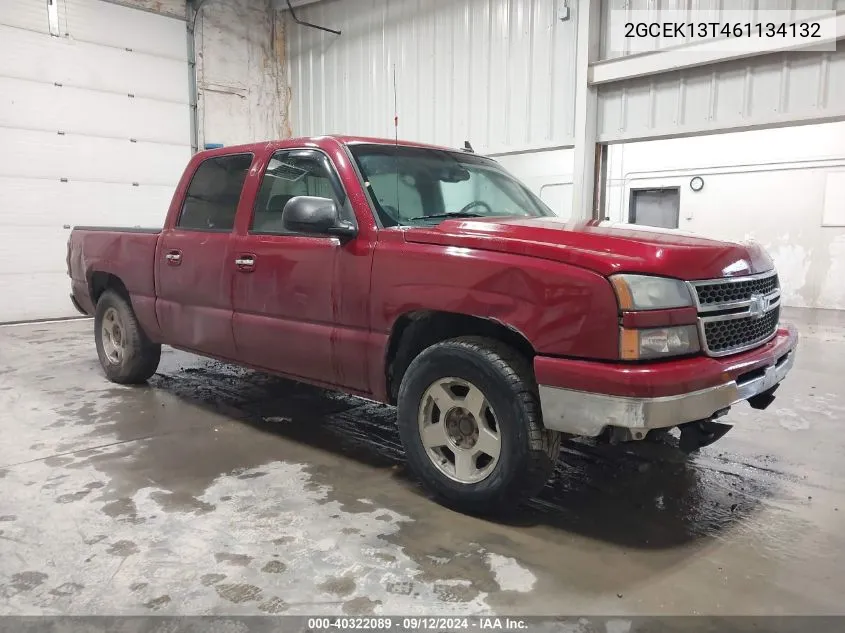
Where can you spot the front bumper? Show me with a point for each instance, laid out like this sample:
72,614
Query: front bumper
719,384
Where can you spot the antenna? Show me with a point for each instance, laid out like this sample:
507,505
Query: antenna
395,109
396,141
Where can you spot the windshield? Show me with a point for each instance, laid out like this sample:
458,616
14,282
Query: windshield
412,186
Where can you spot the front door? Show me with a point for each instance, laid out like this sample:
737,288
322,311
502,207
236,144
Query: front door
291,314
194,279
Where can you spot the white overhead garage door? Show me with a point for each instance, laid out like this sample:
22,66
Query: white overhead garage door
94,129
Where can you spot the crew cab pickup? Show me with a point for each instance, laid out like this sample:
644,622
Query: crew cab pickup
432,279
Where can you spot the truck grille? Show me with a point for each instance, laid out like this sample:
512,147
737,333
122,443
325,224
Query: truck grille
737,314
720,293
726,336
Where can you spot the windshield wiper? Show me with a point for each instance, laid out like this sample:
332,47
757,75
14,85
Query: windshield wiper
454,214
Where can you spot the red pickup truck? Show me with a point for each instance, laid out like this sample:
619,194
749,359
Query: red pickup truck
432,279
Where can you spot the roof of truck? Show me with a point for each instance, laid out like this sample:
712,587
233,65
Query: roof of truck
317,140
347,140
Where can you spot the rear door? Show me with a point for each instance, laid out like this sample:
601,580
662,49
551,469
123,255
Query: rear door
194,277
299,299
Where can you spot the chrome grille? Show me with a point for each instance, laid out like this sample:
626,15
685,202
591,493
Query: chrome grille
729,292
731,334
737,314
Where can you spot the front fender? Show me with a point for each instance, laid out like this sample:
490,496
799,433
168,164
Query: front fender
560,309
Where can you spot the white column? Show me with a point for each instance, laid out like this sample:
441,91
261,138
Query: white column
588,16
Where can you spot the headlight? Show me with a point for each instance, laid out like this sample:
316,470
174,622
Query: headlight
658,342
643,292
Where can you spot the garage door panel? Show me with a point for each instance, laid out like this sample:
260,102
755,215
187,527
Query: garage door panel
28,55
96,21
95,129
31,296
49,156
34,249
40,106
52,204
25,15
46,297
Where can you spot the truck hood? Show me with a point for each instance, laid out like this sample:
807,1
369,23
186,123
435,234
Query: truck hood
602,247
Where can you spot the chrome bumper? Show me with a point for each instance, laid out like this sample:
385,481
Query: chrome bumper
588,414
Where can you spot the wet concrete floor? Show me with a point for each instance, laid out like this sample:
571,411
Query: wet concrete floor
218,490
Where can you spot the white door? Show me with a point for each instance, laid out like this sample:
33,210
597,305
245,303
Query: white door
94,128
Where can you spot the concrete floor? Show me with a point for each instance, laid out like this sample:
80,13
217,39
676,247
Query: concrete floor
217,490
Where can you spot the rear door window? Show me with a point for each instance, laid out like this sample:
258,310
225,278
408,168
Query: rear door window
213,195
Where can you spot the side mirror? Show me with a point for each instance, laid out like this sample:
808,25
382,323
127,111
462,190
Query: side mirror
308,214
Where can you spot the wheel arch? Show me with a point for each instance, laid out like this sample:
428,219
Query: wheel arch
99,281
415,331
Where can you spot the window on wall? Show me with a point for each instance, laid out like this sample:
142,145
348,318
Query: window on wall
213,195
655,207
289,174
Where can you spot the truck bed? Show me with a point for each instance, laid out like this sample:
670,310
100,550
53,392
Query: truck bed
118,229
128,253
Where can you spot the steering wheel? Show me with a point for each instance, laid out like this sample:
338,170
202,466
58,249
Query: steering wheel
477,203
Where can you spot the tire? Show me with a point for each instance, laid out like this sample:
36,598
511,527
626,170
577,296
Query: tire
126,355
527,451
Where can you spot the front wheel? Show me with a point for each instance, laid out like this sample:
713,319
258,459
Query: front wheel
126,354
470,421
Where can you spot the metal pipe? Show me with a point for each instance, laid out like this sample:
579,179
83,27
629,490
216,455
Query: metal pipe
304,23
192,91
193,78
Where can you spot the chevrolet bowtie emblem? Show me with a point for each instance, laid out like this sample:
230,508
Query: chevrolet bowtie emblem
760,305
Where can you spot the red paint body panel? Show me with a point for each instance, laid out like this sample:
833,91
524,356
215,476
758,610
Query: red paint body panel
665,378
194,305
561,309
322,310
129,256
599,248
298,311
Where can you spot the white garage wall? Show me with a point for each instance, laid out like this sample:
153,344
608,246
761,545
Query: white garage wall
548,174
241,75
98,129
497,72
95,127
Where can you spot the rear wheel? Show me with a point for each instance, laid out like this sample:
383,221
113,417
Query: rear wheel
469,418
126,354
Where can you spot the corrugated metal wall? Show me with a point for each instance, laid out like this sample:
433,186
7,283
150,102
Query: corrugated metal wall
497,72
706,9
771,89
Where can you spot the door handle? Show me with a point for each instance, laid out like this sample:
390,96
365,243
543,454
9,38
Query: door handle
245,263
174,257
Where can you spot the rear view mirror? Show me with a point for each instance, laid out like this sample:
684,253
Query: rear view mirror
455,174
308,214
